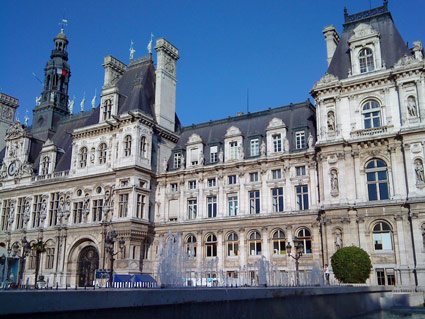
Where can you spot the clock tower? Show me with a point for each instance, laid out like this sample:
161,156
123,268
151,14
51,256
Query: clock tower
52,104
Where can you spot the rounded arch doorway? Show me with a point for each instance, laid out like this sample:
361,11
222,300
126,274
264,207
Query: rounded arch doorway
88,262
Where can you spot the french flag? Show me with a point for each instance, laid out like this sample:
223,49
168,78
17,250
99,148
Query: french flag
61,71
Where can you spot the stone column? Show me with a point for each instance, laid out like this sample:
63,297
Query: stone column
265,242
220,250
401,251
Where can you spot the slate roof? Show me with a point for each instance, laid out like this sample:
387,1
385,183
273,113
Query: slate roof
393,46
295,116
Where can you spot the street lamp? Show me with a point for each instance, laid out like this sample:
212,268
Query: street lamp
39,247
109,245
26,248
299,249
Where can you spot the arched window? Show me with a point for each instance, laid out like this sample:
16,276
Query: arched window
366,60
382,236
232,245
107,109
83,157
377,180
211,245
191,246
304,237
102,153
254,244
143,152
45,165
127,145
371,114
279,243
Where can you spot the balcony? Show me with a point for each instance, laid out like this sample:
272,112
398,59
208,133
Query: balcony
370,131
54,175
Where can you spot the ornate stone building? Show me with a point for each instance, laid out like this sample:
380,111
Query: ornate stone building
348,171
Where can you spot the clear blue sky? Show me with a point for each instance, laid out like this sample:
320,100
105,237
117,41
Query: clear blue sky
274,48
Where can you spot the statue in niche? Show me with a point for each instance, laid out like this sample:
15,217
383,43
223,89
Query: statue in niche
86,204
220,156
334,181
310,141
331,121
411,107
27,210
419,170
263,149
338,240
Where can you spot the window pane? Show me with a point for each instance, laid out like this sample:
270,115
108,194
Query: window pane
371,188
377,241
386,241
371,177
382,176
383,191
305,201
367,123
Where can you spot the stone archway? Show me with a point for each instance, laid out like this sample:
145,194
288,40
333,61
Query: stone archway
88,262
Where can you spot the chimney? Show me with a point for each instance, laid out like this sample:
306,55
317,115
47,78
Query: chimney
165,92
114,69
332,40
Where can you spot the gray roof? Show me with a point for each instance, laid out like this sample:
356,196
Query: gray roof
393,46
300,116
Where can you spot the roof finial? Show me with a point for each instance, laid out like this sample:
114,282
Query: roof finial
82,102
132,51
150,44
386,4
26,118
63,24
93,101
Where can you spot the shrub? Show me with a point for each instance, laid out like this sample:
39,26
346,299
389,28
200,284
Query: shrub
351,265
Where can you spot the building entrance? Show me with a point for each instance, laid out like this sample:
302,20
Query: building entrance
88,262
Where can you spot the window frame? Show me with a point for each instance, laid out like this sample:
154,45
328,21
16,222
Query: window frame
302,200
254,202
375,185
371,114
366,60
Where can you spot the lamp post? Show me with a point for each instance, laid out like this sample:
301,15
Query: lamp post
109,245
39,247
26,248
299,249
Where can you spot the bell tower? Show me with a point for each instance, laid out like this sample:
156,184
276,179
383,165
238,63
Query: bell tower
51,106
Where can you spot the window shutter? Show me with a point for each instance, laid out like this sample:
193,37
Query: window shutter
173,208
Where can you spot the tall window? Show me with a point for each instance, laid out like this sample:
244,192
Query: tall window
107,109
277,199
211,245
36,211
127,145
78,212
194,156
140,205
232,201
299,140
192,184
232,245
102,153
253,177
277,143
20,213
382,236
371,114
211,182
304,237
177,160
366,60
97,210
300,170
276,174
5,214
279,243
213,154
143,151
212,206
123,205
232,179
254,147
191,246
45,165
234,151
53,211
254,244
254,202
192,208
302,197
377,180
83,157
50,256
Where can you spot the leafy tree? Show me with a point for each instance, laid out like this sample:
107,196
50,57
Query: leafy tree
351,265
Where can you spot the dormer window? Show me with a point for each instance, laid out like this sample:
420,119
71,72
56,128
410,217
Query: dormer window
371,114
45,164
254,147
107,108
277,143
213,154
234,150
366,60
83,157
194,156
177,160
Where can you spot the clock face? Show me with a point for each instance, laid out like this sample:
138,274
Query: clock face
12,168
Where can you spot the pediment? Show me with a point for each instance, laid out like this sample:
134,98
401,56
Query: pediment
16,130
194,139
276,123
363,31
233,131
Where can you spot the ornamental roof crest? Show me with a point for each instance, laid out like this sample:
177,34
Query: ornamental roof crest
363,31
233,131
16,130
327,78
275,123
194,138
405,60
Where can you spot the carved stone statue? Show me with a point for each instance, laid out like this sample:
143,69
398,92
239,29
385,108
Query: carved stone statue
310,141
338,241
334,181
220,156
86,204
285,145
43,209
331,121
164,165
419,170
411,107
263,149
201,157
11,217
37,100
27,210
71,105
183,162
241,153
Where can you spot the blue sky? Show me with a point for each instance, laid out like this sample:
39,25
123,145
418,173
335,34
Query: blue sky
273,48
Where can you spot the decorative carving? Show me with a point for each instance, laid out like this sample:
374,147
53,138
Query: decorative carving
411,106
27,209
310,141
16,130
43,209
220,156
405,60
363,30
263,149
326,79
334,182
331,121
233,131
194,138
275,123
419,170
11,217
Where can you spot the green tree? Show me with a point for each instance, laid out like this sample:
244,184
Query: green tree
351,265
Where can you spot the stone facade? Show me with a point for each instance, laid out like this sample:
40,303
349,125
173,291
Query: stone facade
348,171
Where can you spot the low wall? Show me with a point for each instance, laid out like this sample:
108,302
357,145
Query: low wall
320,302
